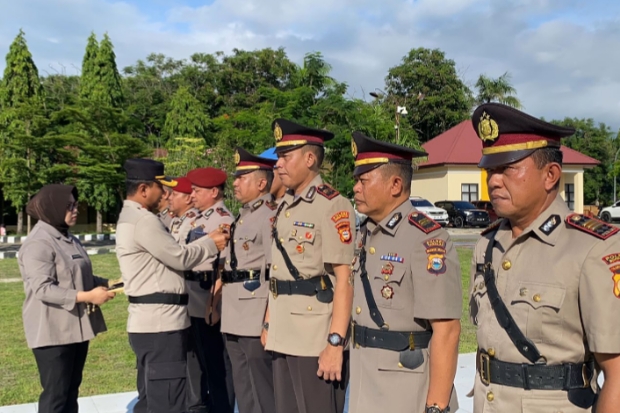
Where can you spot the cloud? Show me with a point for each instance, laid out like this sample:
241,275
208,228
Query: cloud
561,53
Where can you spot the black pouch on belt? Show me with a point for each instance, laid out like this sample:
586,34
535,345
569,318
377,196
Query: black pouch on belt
411,359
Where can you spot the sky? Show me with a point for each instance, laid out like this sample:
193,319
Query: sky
563,55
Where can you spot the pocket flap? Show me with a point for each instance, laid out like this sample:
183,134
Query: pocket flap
302,235
167,370
390,361
539,295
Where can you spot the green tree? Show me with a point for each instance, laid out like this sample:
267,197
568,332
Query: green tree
90,77
185,117
22,122
497,90
427,84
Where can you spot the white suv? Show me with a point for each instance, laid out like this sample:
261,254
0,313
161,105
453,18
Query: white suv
437,214
610,213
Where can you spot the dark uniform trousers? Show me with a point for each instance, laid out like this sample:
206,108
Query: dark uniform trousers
208,344
161,359
300,390
252,373
60,372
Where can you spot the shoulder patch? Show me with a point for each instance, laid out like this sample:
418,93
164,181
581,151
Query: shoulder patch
592,226
327,191
222,212
493,226
257,204
208,213
272,205
550,224
394,220
423,222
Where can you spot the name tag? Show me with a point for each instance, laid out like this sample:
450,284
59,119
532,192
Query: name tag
76,256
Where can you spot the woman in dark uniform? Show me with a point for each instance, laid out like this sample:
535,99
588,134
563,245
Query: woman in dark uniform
60,311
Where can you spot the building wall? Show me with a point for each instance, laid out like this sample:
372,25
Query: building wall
444,182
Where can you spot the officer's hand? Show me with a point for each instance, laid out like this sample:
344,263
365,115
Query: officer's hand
212,317
220,238
263,337
99,295
330,363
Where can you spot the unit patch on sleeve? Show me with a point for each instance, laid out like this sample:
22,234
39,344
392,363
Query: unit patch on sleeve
423,222
616,279
327,191
340,215
612,258
344,230
436,253
592,226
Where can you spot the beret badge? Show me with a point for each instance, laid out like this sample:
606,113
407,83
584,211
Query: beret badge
487,128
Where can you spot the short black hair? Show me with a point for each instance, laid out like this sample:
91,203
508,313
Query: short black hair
545,156
131,186
404,171
318,151
268,175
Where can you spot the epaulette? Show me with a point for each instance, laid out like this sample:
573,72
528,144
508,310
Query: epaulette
327,191
592,226
164,212
492,227
190,214
272,205
222,212
423,222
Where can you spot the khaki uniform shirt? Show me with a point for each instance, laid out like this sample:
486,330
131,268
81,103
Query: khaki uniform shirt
165,217
243,309
151,261
415,277
54,268
317,232
209,220
561,286
180,226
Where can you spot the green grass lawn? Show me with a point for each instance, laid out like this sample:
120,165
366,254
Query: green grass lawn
110,367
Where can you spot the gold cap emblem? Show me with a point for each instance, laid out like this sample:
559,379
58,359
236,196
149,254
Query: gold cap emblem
237,158
487,128
277,133
354,148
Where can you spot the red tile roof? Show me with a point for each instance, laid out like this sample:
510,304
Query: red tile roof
461,146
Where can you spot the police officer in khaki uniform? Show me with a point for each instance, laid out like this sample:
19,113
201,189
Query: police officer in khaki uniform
164,213
205,293
182,207
545,284
310,302
408,296
151,264
245,290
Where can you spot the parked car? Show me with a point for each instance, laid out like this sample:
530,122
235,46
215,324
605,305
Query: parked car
610,213
437,214
487,206
463,213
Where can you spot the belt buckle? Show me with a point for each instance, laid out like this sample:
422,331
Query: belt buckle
584,375
273,287
251,272
485,373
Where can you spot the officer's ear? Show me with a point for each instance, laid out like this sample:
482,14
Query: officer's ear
553,173
396,185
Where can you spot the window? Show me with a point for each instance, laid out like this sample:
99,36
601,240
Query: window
469,192
569,194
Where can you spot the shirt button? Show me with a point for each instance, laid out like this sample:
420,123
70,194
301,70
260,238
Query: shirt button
358,310
506,265
234,241
400,365
523,292
240,221
490,396
309,308
288,214
275,267
387,277
536,298
281,240
253,293
371,250
491,352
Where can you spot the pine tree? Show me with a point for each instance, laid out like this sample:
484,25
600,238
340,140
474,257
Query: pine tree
185,117
22,122
90,69
108,89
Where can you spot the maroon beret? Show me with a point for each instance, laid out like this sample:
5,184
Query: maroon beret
183,185
206,177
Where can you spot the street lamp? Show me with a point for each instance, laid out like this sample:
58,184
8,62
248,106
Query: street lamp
400,111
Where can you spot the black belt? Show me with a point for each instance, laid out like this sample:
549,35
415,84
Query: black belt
310,286
569,376
160,298
198,275
242,275
390,340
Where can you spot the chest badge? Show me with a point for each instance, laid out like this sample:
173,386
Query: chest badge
246,246
387,292
393,257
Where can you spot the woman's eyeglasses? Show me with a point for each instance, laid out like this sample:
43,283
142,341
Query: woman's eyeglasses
72,206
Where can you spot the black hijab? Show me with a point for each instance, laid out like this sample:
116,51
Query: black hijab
51,204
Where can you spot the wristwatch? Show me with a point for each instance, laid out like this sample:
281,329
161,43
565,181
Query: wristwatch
335,339
435,409
266,326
